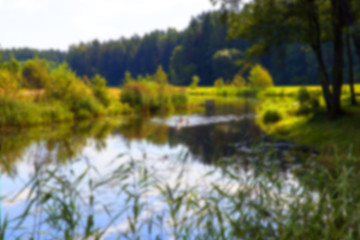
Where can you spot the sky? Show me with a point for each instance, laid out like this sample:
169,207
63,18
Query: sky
50,24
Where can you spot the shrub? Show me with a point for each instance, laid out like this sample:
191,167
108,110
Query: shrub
140,96
56,111
271,116
36,73
239,81
152,96
98,85
23,113
260,78
9,83
64,85
219,83
117,108
195,82
308,102
87,107
179,99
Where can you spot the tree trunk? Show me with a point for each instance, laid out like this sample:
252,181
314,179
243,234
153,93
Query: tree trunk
351,70
315,42
337,73
349,20
324,79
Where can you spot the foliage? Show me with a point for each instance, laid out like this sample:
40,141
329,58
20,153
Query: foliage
13,65
100,91
127,77
239,81
24,54
160,76
204,49
151,96
23,113
65,96
224,63
271,116
308,101
195,82
219,83
9,82
260,78
35,73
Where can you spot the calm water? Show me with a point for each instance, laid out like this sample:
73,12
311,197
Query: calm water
54,179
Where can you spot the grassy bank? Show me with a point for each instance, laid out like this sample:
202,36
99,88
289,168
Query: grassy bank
312,127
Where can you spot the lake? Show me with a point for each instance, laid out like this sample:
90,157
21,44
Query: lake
186,175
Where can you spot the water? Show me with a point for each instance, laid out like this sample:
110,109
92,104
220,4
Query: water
123,178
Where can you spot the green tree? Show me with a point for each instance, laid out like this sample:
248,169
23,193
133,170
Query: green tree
260,78
127,78
160,76
309,21
224,63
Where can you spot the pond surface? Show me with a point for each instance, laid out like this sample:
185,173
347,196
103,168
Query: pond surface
138,177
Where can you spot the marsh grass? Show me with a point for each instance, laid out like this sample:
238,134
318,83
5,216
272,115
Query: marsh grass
321,204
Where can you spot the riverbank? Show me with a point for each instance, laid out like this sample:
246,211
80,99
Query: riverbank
313,128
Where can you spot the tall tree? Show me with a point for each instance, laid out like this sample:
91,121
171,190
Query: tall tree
350,68
277,23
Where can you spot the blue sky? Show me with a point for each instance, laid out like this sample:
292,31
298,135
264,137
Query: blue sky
45,24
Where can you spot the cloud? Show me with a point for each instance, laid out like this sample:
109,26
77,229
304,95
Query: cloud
44,24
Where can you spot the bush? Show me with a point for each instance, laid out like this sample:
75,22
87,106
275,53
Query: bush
271,116
87,107
219,83
36,73
23,113
9,83
139,96
151,96
117,108
239,81
179,99
195,82
98,85
308,102
260,78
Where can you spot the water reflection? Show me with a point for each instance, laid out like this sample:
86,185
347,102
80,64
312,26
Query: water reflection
125,162
208,135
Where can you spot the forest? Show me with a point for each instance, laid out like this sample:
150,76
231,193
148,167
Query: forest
203,49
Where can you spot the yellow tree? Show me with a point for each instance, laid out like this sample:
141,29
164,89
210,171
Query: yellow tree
239,81
260,78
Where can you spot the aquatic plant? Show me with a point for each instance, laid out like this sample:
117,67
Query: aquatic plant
231,205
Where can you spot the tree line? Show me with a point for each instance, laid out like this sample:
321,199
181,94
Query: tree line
202,49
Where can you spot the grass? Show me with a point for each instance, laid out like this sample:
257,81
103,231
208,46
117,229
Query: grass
323,205
315,128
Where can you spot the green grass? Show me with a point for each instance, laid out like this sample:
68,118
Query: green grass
315,128
324,205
